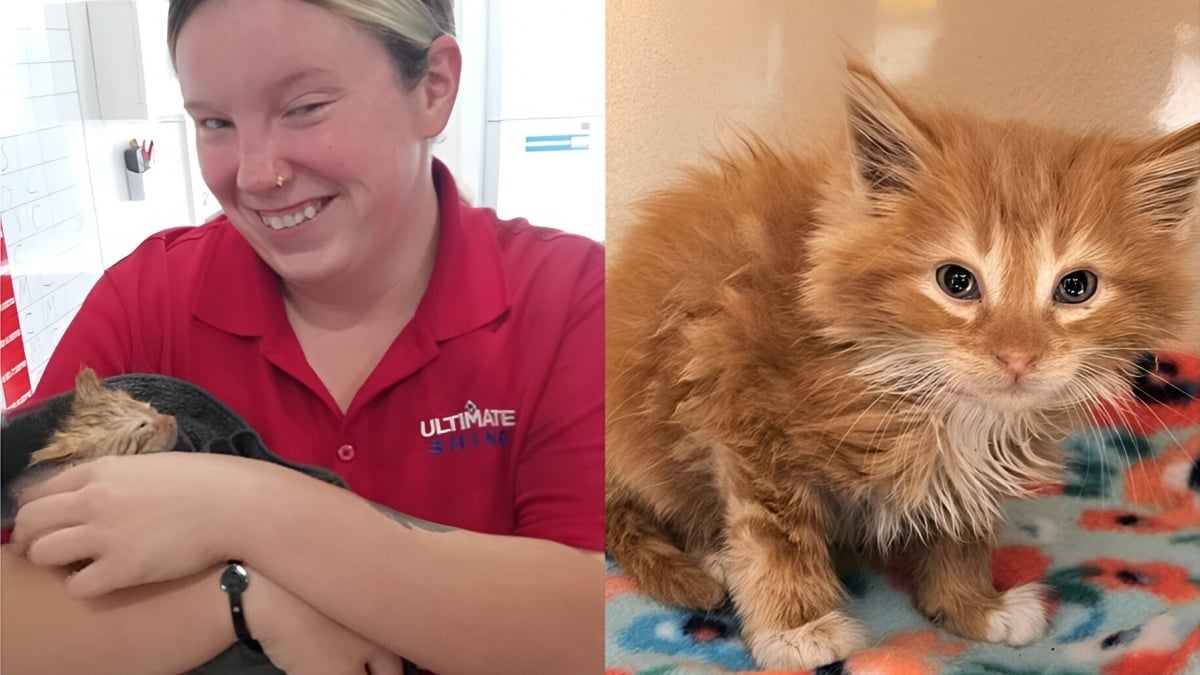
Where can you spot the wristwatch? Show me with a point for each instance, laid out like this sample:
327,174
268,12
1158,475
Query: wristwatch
234,581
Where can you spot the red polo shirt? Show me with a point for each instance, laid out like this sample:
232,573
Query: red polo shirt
486,413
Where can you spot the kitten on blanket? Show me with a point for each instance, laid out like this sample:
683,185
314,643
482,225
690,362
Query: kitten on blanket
870,349
106,421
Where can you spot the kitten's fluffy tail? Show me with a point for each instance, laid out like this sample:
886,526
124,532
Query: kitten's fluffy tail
641,546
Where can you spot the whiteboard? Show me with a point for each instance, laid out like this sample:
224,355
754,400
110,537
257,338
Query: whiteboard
46,206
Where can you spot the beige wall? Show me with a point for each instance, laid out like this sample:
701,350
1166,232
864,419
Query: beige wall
681,72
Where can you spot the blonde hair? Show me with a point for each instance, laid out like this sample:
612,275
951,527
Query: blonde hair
405,27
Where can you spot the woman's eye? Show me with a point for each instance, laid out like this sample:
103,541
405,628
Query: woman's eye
1075,288
958,282
308,108
213,123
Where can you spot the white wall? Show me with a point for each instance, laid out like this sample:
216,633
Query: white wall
683,73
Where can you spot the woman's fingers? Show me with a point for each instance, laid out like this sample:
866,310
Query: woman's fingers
39,518
62,547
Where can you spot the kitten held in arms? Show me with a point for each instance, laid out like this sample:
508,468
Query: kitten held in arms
106,421
870,349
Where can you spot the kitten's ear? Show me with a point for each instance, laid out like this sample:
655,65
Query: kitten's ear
86,383
886,141
1166,180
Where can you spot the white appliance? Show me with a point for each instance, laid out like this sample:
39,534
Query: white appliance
543,145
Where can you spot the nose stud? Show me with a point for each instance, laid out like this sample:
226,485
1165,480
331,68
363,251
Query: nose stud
279,181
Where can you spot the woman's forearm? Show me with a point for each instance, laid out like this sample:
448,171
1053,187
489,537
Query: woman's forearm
164,628
452,602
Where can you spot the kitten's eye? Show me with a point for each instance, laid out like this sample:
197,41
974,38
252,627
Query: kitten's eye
958,282
143,425
1076,287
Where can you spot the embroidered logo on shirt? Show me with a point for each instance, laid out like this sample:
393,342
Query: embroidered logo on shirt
474,427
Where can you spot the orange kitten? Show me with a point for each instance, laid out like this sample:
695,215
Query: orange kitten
872,349
106,421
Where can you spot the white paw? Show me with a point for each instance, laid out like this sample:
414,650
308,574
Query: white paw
825,640
1023,617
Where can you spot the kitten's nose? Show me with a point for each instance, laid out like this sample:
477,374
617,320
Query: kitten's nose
1016,362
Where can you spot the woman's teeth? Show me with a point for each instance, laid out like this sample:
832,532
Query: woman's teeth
292,219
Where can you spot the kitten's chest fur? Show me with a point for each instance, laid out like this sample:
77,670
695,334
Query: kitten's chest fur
889,472
952,477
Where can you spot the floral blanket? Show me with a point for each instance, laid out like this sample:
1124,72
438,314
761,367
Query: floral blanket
1118,541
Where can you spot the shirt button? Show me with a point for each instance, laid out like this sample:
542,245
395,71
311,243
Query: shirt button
346,453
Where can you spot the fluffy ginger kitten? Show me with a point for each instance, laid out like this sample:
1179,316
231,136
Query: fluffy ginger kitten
870,350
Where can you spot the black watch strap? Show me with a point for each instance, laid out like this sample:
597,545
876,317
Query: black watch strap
234,581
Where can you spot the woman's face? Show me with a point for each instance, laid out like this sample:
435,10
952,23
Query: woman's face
281,88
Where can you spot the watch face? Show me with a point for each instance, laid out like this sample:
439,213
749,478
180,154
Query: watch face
234,578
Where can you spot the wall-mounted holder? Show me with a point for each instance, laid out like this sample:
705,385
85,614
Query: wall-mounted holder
137,163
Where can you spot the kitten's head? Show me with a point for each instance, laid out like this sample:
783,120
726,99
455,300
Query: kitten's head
115,421
1024,267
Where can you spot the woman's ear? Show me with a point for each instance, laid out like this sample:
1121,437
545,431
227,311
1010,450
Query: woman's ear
439,87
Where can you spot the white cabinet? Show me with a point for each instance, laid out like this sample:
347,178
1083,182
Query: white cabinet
123,66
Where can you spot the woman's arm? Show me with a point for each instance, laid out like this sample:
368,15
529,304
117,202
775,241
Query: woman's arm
165,628
169,627
451,602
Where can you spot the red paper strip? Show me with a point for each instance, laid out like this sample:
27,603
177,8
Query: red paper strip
14,369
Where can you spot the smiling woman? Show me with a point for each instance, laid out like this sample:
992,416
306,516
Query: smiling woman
312,118
346,297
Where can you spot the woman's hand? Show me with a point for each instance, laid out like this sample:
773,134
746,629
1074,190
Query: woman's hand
302,641
138,519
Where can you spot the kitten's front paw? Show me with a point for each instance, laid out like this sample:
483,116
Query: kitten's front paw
830,638
1022,617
